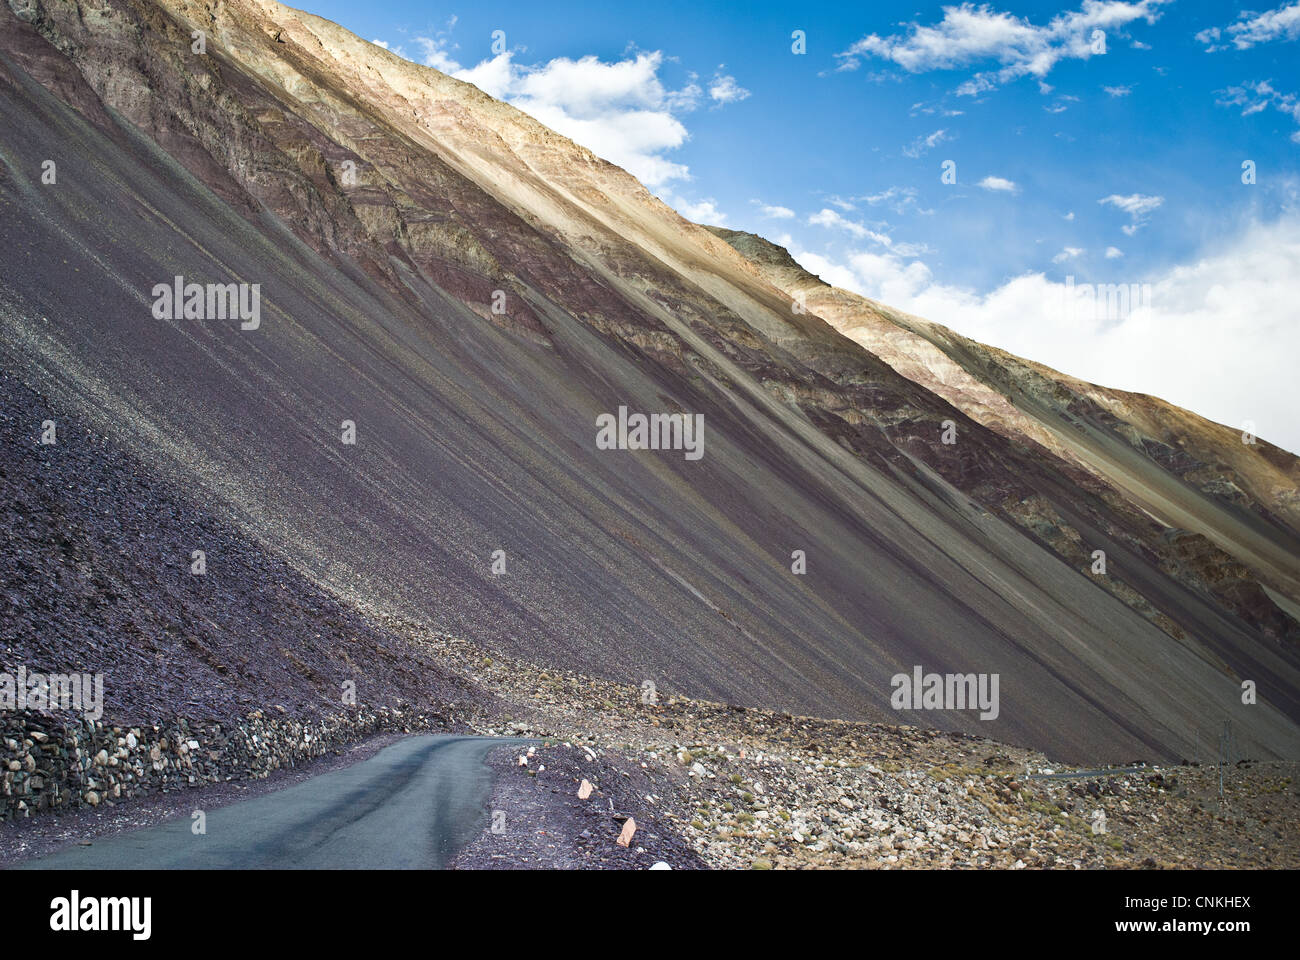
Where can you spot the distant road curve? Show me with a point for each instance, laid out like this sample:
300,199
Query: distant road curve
413,805
1090,774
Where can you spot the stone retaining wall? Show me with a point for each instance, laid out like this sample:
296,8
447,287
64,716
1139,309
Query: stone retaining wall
53,763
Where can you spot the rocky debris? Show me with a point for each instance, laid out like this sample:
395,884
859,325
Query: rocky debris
782,791
543,822
95,568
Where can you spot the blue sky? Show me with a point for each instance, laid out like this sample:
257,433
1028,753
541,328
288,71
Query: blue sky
1079,157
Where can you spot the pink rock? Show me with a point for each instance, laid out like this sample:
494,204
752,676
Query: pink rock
625,835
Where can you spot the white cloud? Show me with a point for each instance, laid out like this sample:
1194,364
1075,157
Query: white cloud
1114,253
589,86
830,271
898,199
969,35
1258,96
724,89
923,145
1218,335
1118,91
436,55
833,220
999,184
930,110
705,211
436,49
1069,253
1137,205
494,77
775,212
620,110
1252,28
911,249
975,86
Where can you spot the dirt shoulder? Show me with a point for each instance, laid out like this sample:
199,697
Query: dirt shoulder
542,823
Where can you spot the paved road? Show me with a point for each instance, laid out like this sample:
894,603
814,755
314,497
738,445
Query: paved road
413,805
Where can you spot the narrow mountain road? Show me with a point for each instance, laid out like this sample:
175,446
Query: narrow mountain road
413,805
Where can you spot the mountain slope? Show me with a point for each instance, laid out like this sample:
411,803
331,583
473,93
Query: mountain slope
476,429
1181,469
